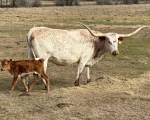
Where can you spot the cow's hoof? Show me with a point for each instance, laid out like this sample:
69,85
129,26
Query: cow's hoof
89,80
76,84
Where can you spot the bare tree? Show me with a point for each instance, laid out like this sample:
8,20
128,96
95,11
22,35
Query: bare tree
1,4
13,3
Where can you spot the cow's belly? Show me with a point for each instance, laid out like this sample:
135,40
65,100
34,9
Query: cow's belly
62,61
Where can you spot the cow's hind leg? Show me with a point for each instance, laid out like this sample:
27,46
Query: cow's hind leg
45,67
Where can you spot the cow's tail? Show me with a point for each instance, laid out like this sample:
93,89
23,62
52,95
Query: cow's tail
29,44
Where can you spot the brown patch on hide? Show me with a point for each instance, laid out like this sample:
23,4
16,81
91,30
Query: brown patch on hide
38,32
101,38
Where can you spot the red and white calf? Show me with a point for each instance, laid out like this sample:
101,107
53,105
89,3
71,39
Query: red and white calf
23,68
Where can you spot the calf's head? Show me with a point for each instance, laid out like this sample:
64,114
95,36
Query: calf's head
111,40
5,64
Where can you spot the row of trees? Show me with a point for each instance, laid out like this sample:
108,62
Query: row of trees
37,3
98,2
20,3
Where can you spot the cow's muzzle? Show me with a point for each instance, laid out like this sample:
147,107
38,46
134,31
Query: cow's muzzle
116,52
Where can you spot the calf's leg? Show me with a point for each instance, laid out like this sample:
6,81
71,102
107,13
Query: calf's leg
13,82
36,77
43,75
23,79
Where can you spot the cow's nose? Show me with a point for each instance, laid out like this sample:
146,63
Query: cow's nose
1,69
116,52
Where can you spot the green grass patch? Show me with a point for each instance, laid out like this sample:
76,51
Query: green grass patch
103,21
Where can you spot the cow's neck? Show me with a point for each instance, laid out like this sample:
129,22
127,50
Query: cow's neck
99,49
11,69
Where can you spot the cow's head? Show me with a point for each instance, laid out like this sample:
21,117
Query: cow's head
111,40
111,43
5,64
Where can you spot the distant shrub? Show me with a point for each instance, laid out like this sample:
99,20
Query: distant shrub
60,2
66,2
25,3
36,3
136,1
130,1
104,2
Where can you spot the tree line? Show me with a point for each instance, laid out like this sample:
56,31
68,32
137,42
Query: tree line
38,3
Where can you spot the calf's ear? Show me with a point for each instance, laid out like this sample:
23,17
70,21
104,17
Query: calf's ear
120,39
10,60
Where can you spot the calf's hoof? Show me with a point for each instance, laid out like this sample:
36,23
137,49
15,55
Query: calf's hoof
27,90
10,91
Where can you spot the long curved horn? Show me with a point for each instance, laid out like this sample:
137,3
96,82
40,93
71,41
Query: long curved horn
92,33
131,34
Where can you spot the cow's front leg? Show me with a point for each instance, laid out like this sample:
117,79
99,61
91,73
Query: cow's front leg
76,83
13,83
80,69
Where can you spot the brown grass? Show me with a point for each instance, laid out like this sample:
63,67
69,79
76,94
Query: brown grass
120,87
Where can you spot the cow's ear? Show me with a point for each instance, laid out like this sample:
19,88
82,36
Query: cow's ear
101,38
120,39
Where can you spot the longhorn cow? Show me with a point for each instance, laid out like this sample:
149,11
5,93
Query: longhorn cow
65,47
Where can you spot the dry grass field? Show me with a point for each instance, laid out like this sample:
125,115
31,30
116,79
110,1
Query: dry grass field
120,87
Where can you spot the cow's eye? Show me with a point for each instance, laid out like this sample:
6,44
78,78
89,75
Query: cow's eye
110,42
